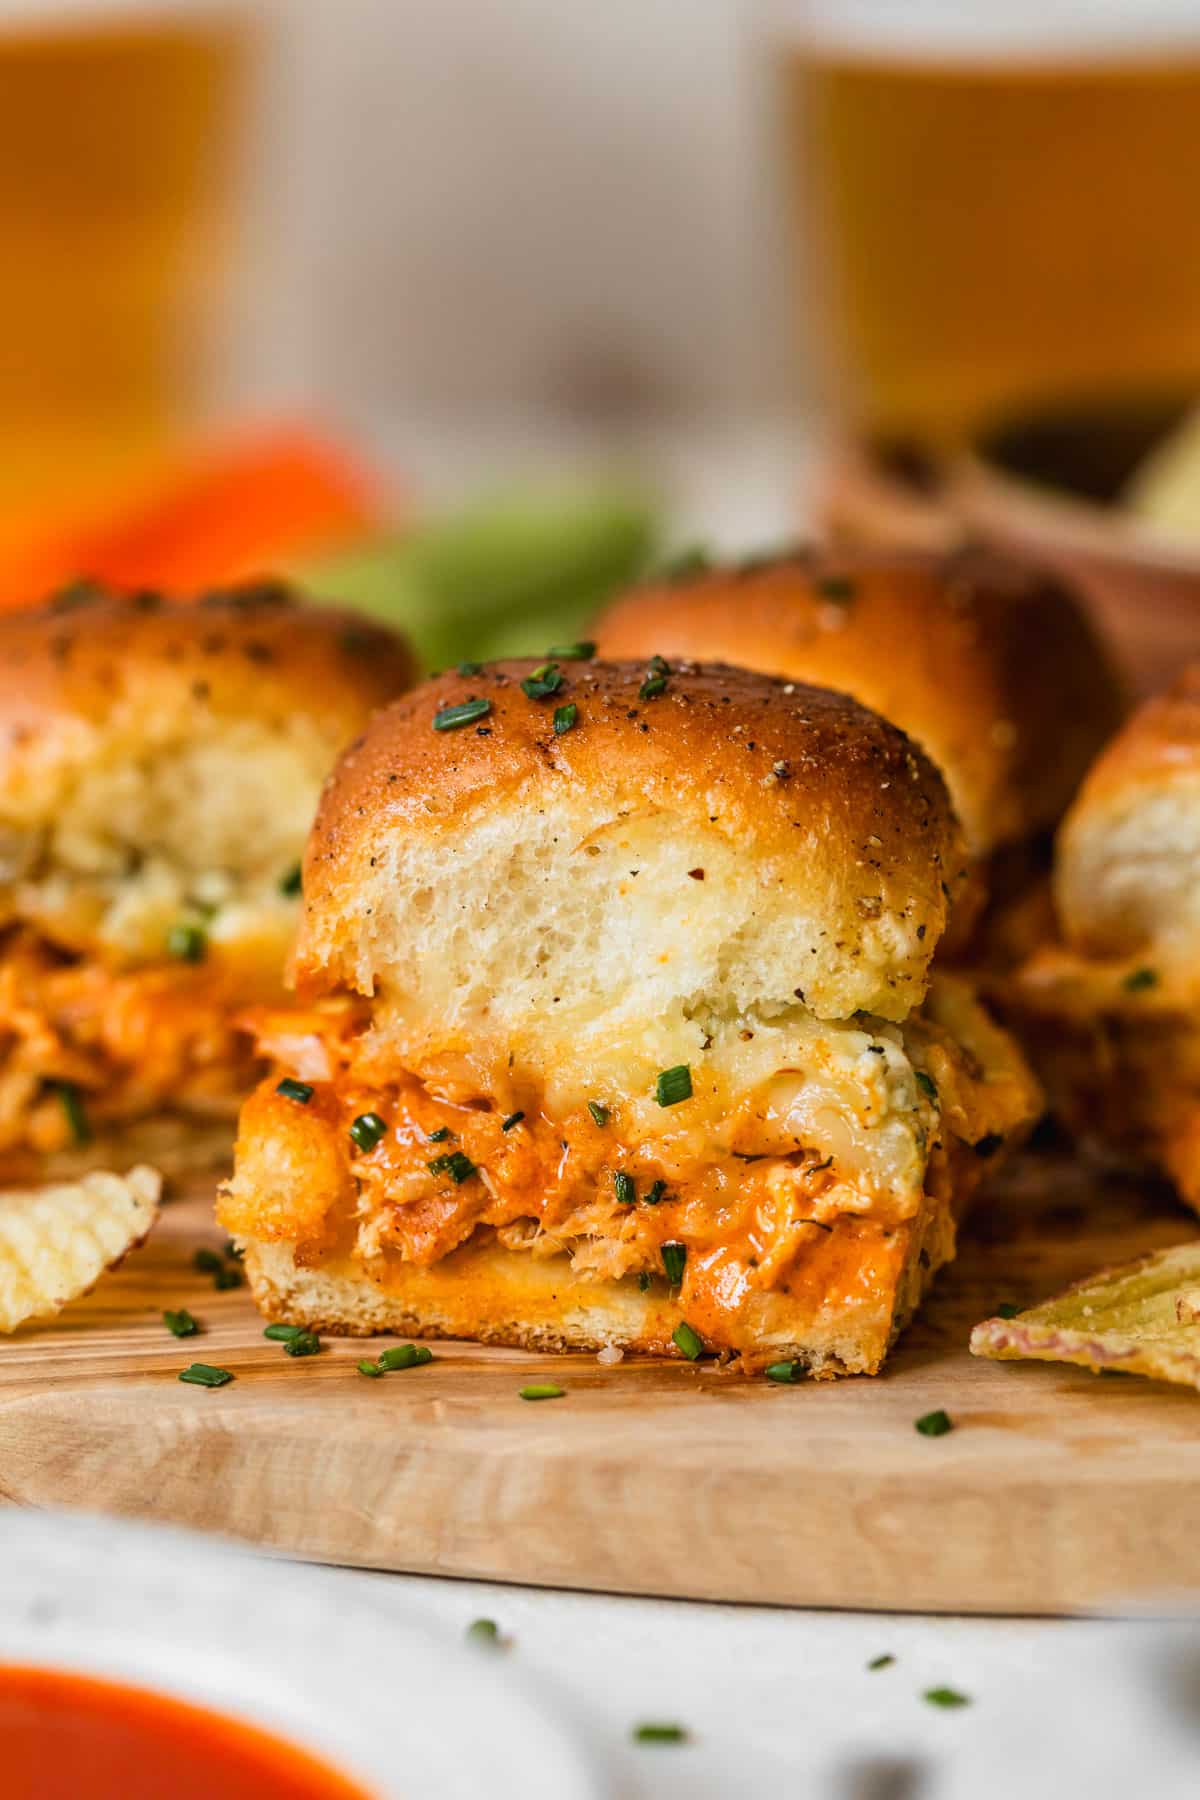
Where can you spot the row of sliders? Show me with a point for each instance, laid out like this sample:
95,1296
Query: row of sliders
628,998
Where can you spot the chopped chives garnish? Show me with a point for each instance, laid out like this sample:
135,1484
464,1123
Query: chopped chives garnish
485,1632
234,1250
834,587
927,1085
659,1734
783,1371
624,1187
470,668
1006,1310
1139,979
882,1662
543,681
227,1276
451,718
674,1257
674,1085
542,1390
405,1356
187,942
659,666
458,1167
367,1367
512,1119
71,1101
283,1334
205,1375
643,1282
945,1696
181,1323
290,883
652,687
299,1091
934,1424
581,652
207,1262
600,1114
687,1340
565,718
305,1343
657,1191
367,1130
440,1135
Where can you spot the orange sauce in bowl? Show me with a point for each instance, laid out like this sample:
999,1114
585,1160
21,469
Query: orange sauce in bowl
63,1736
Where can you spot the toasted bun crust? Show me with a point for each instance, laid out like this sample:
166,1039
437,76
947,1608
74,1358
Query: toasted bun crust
994,671
1127,875
146,746
725,842
499,1296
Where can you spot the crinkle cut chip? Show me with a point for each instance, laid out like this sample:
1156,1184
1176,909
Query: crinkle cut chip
1140,1319
57,1241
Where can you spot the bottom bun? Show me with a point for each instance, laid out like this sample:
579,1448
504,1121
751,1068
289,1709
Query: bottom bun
499,1296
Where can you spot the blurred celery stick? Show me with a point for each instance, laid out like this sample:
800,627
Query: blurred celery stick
511,573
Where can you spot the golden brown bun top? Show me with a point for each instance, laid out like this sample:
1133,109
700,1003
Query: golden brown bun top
810,839
996,672
158,757
1127,870
150,667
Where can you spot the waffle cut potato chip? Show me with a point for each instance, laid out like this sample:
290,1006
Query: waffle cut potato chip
1140,1319
57,1241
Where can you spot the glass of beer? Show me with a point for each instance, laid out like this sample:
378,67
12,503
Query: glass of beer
998,206
116,138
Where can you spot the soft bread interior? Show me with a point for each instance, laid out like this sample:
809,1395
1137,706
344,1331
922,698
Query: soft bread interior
131,840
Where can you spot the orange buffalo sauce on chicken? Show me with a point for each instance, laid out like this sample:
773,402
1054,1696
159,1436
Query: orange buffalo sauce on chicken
63,1736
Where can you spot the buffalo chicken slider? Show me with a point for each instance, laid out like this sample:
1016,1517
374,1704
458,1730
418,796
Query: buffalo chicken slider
996,672
616,1028
1111,1007
159,769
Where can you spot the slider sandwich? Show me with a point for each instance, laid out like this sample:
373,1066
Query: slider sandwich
1111,1007
615,1026
159,769
995,672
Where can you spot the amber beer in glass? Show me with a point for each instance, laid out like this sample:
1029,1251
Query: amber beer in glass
116,138
995,206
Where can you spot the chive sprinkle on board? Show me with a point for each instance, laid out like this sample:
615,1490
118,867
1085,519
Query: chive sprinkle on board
205,1375
180,1324
542,1390
882,1662
485,1633
404,1356
945,1697
654,1733
934,1424
283,1334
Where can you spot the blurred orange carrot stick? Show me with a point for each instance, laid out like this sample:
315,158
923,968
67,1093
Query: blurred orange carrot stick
218,517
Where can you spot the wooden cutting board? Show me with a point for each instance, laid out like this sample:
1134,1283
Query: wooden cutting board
1056,1490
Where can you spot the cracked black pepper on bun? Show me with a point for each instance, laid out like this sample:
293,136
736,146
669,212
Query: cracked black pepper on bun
994,670
159,768
614,1025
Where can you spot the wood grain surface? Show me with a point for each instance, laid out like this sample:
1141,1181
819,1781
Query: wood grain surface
1056,1490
